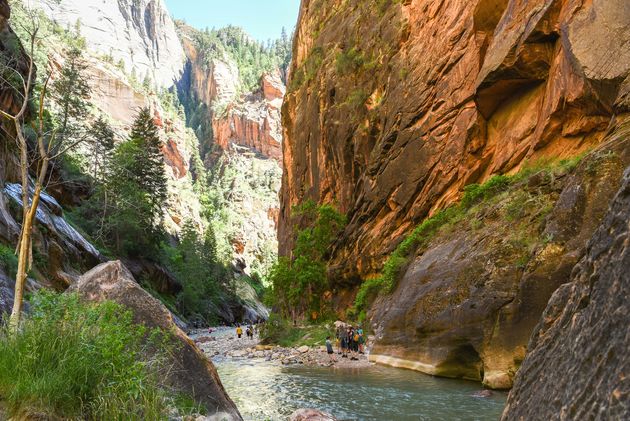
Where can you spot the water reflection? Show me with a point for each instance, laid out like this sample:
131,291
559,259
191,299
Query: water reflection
269,391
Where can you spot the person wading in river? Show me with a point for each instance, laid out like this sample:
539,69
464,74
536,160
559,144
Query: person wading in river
239,331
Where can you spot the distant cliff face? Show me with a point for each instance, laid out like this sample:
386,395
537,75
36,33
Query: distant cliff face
241,136
394,106
141,33
255,122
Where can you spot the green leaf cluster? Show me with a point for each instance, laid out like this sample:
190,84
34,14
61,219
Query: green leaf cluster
299,282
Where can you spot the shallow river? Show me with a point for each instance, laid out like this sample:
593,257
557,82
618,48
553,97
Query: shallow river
269,391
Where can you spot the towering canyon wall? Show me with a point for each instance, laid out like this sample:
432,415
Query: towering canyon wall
140,33
393,107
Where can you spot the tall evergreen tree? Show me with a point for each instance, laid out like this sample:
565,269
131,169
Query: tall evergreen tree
149,171
101,138
71,92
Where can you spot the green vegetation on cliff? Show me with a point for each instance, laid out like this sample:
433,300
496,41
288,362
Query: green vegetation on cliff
299,282
475,196
252,58
82,361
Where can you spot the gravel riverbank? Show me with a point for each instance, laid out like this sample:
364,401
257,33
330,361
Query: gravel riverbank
223,343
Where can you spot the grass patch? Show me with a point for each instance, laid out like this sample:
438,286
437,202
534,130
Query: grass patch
82,361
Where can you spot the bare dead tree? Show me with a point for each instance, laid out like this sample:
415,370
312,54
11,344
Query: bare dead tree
38,161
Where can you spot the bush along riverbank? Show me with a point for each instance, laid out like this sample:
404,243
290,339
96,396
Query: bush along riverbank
75,360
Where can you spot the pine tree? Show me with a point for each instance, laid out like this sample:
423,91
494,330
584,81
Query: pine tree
101,138
71,91
148,171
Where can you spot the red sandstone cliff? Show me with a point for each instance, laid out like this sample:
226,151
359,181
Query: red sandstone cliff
254,122
394,106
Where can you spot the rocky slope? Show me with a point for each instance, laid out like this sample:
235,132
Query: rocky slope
578,365
394,106
470,298
140,33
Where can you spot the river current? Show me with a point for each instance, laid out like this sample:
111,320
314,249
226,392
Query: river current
270,391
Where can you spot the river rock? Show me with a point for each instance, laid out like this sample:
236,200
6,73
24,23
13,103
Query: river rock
239,353
191,373
311,415
578,366
303,349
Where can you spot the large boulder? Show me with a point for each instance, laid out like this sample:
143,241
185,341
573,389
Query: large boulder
578,366
191,371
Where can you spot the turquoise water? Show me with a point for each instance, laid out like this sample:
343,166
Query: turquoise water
269,391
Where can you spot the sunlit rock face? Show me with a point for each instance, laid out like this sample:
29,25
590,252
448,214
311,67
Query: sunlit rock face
141,33
437,95
392,108
254,122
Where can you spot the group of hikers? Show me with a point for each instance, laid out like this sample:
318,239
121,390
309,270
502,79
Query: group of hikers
350,342
249,331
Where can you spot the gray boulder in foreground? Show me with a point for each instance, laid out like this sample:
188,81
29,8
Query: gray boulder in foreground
191,372
578,365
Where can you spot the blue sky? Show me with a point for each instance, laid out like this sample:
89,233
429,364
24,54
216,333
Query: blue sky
262,19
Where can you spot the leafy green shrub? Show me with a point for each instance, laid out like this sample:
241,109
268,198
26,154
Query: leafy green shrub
299,283
8,260
81,361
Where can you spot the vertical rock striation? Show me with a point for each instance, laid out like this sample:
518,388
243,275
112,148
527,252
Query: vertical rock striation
140,33
577,367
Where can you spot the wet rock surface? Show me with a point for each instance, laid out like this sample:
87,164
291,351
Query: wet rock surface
577,366
311,415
